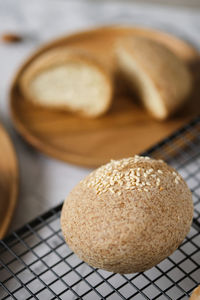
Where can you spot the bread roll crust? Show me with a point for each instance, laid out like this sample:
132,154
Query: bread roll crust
195,294
128,215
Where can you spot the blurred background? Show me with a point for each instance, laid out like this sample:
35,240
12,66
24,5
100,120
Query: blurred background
186,3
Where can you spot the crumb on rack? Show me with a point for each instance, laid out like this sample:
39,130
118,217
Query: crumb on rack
11,38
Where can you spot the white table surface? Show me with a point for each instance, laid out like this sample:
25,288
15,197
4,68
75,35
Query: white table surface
45,182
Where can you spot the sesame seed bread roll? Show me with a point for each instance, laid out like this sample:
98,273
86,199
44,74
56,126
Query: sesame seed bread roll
128,215
160,78
68,79
195,294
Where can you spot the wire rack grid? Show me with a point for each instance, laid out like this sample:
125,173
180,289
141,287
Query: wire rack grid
35,262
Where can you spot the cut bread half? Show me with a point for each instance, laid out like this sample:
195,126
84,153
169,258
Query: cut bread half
161,79
68,79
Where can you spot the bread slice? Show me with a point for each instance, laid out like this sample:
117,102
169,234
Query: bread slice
68,79
161,79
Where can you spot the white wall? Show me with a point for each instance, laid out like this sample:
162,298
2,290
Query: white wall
184,3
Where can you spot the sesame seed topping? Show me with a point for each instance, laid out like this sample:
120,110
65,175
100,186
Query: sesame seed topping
111,190
177,179
123,174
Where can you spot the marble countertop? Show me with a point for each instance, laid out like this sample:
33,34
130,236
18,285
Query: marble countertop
45,182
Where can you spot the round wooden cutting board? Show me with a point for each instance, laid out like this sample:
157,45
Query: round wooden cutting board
124,131
8,181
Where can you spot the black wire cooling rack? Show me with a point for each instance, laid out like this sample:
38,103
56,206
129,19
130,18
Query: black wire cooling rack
35,262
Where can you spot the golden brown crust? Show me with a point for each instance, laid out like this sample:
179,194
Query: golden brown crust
166,72
195,294
57,57
115,221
